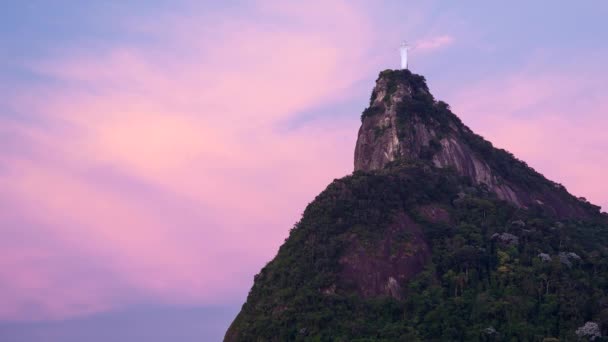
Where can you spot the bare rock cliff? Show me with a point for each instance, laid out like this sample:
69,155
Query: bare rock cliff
405,122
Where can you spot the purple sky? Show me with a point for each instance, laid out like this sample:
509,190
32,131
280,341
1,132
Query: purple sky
155,154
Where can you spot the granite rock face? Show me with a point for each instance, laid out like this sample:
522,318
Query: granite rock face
385,266
405,122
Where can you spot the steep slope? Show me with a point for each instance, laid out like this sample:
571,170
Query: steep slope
404,121
435,236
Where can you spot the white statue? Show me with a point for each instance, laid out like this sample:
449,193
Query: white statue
404,48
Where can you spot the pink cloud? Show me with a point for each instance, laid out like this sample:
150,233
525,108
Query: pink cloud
36,282
170,172
433,43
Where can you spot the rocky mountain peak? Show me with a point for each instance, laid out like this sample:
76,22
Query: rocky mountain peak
404,122
433,230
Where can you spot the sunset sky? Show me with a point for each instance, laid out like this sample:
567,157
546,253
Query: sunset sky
155,153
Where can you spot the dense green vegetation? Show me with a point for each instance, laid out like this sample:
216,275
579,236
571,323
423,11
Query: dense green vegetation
477,288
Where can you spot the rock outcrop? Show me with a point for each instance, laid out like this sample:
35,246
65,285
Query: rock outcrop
385,266
404,122
590,330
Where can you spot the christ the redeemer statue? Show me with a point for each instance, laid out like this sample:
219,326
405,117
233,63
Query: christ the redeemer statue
404,48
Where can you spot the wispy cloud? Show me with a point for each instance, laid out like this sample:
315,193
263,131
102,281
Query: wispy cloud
433,43
168,172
